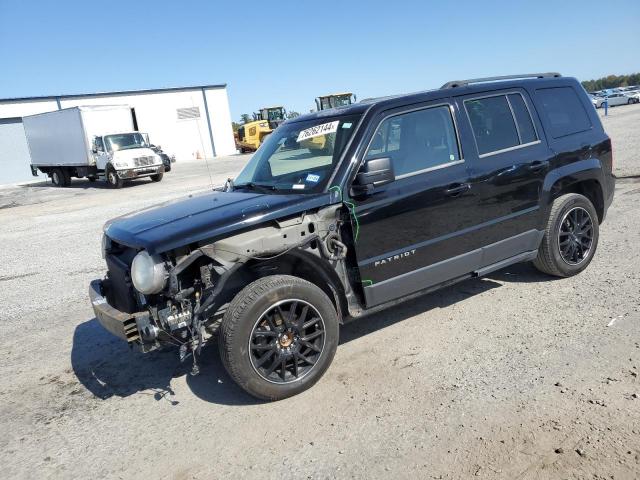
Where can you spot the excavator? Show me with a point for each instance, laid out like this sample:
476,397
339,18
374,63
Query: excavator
335,100
251,135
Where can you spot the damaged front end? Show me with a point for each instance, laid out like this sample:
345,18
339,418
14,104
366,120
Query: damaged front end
179,297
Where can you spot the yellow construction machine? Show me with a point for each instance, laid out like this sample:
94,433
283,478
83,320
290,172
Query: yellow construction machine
251,135
325,102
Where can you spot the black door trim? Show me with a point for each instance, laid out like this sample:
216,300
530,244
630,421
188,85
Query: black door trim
448,236
486,259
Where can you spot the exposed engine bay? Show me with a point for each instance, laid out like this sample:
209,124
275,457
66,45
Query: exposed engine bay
184,293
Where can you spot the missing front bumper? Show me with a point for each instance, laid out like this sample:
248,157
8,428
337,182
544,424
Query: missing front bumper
122,325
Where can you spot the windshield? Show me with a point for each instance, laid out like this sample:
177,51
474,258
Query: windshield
298,157
274,115
342,100
125,141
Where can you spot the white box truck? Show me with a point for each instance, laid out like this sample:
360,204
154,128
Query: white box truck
92,142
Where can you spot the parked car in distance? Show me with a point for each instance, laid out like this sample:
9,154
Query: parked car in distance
635,95
166,159
412,193
615,99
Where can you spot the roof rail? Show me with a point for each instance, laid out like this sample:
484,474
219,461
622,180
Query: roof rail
464,83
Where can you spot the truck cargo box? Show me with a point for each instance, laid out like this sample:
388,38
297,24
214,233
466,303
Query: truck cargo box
64,137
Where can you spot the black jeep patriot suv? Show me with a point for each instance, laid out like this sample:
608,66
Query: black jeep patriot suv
346,211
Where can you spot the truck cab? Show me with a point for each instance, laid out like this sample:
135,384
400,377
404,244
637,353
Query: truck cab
124,156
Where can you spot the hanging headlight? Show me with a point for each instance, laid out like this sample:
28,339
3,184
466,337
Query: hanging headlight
148,273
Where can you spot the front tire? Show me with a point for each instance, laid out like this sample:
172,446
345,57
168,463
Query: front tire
278,336
157,177
113,180
570,238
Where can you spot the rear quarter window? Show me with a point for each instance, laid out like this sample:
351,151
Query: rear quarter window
563,110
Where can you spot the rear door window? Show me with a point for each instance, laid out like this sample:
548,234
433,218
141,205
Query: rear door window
563,110
492,122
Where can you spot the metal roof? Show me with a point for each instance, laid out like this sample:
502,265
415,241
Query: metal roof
115,93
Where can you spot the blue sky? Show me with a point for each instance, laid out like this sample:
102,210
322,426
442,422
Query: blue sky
288,52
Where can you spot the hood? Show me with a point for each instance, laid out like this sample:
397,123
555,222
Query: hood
205,216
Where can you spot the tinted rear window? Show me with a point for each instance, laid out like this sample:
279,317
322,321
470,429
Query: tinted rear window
492,123
564,111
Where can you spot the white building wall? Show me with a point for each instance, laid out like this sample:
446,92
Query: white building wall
157,115
27,107
220,118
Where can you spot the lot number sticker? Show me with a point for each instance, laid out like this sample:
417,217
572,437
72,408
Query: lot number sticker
318,130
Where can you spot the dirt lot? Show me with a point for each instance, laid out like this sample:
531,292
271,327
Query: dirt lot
512,376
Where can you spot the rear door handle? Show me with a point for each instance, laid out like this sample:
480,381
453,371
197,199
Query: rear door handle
538,166
457,189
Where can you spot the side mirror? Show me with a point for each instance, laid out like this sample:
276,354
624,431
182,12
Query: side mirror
373,173
94,150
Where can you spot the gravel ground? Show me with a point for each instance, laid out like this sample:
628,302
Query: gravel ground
623,124
516,375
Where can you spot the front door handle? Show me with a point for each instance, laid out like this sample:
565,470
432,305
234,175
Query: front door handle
457,189
538,166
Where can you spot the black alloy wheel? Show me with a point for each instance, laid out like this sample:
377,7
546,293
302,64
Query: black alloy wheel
287,341
575,236
570,237
278,336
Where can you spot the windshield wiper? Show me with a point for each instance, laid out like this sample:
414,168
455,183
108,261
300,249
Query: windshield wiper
255,186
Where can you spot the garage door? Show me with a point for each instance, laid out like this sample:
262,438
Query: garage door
14,152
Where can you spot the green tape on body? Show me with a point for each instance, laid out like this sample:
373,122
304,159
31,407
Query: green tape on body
352,210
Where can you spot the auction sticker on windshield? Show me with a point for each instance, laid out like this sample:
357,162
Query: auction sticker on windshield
318,130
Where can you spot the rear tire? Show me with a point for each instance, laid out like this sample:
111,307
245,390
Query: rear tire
58,177
113,180
67,177
570,238
269,342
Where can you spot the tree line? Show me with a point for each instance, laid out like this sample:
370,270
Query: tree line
611,81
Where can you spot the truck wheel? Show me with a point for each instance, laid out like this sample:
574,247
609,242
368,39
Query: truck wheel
67,177
570,238
113,180
58,178
278,336
157,177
